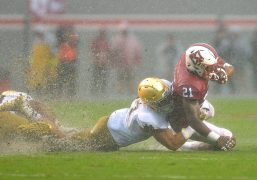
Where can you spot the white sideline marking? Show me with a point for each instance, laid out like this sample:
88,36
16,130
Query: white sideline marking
189,158
125,176
22,175
41,175
181,177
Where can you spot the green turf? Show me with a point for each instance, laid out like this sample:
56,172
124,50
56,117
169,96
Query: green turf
136,162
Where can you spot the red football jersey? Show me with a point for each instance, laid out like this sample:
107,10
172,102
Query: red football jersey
189,85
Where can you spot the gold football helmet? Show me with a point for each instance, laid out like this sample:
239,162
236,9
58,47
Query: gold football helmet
156,93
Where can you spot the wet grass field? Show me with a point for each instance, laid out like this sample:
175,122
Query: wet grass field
137,161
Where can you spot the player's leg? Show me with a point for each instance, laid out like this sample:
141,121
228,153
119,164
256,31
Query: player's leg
9,103
35,130
204,143
20,104
27,110
13,125
98,137
9,123
212,127
219,130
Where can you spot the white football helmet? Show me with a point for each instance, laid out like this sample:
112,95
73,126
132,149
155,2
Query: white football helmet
156,93
201,59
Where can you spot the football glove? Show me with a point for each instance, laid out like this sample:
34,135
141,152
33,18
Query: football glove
219,75
226,143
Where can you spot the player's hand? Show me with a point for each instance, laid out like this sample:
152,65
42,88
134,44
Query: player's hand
226,143
219,75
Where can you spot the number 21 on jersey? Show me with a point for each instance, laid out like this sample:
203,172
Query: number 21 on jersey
187,92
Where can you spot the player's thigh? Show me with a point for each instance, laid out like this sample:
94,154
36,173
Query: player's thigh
9,122
102,136
100,128
96,131
11,119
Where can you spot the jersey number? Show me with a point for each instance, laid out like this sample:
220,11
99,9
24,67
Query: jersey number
187,92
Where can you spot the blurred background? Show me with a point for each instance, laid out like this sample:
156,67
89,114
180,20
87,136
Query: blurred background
101,49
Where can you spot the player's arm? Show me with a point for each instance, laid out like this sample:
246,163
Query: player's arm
48,117
170,140
192,111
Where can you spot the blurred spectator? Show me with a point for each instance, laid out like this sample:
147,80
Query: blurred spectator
42,72
254,59
239,56
167,56
234,48
43,62
5,83
41,8
126,56
67,40
57,6
221,43
100,50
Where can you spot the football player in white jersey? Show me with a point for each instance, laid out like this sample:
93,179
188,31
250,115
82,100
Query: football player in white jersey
146,117
21,114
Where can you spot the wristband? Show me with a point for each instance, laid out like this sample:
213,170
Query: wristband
212,136
187,132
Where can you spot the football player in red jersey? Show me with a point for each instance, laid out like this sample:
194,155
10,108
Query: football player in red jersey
197,66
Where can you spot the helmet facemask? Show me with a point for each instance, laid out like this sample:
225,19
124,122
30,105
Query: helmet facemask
164,105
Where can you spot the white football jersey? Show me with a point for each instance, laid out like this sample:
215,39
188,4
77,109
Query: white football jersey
132,125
